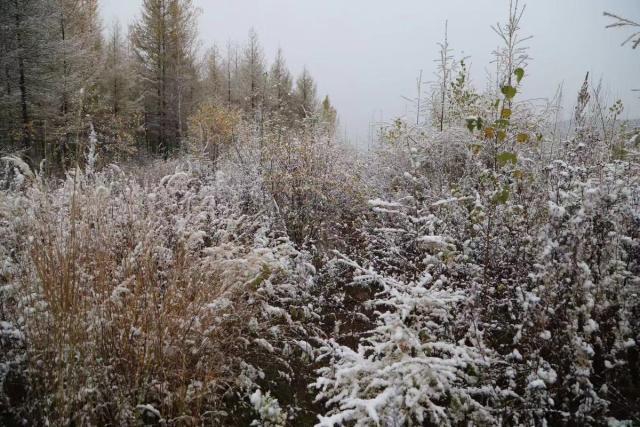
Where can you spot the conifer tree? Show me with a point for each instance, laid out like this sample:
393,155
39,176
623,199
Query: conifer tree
75,50
117,79
305,96
280,87
329,116
24,56
164,45
116,111
214,81
252,74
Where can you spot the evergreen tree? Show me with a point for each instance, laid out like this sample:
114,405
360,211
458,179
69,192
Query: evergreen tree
231,75
115,114
76,49
118,78
50,50
329,116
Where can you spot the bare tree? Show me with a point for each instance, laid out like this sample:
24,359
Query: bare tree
513,54
619,21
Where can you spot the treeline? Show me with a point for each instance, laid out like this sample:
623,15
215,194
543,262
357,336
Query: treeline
140,90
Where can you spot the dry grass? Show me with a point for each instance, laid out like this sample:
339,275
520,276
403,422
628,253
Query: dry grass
137,295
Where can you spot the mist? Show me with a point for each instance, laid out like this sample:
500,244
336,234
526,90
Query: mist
367,54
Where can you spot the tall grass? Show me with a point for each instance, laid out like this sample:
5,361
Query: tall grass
135,294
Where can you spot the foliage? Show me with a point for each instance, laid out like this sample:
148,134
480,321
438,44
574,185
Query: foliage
164,296
474,268
211,130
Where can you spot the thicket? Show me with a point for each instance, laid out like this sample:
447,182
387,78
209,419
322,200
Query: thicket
146,92
480,266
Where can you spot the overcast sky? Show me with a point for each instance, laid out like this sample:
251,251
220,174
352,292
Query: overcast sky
366,54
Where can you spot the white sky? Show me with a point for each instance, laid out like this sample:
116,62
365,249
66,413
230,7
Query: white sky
366,54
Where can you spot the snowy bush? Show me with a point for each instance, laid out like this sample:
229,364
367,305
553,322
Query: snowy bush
165,294
533,256
479,266
409,370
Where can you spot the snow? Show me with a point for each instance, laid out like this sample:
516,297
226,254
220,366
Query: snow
545,335
536,385
264,344
149,408
393,285
434,242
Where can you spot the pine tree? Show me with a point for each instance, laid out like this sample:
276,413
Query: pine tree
231,75
117,79
76,49
50,49
115,115
183,37
329,116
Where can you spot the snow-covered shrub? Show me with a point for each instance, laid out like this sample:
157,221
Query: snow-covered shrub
536,251
408,370
271,415
315,184
478,269
584,293
419,363
166,294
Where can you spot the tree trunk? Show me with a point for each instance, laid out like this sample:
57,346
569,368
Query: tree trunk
26,131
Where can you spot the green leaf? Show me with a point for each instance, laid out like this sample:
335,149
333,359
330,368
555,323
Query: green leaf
519,72
502,197
507,157
265,273
509,91
502,123
471,124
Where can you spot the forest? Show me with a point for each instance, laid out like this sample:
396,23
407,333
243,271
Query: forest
187,239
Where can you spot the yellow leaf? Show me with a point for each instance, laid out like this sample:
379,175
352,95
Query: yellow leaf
476,148
489,133
522,138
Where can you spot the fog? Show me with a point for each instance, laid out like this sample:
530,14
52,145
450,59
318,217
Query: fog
366,54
